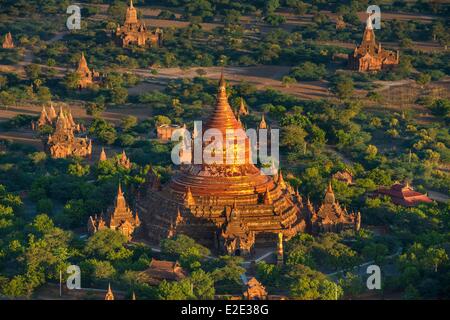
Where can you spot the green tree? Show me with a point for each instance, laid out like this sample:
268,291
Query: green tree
107,244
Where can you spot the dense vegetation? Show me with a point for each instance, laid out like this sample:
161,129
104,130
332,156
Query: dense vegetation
45,203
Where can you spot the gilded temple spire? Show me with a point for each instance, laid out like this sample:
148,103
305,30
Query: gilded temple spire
103,155
189,198
267,197
263,124
109,295
280,181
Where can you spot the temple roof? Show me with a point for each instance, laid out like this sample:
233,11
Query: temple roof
404,194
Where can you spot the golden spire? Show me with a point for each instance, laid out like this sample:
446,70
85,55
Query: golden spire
103,155
120,199
280,181
137,221
329,195
52,112
280,251
267,197
131,4
109,295
263,124
330,188
179,218
189,198
242,109
223,116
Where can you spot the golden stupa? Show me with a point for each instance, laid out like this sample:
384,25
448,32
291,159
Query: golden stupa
229,206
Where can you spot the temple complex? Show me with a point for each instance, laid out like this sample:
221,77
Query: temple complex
8,42
87,77
63,143
403,195
134,32
119,218
162,270
330,216
228,205
369,56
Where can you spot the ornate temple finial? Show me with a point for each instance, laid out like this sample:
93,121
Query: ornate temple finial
179,218
222,94
242,109
109,295
133,297
267,197
131,4
119,191
329,195
137,220
52,112
280,181
330,188
280,250
103,155
263,124
189,198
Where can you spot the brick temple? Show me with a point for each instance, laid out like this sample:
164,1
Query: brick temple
86,77
134,32
369,56
63,143
230,206
120,218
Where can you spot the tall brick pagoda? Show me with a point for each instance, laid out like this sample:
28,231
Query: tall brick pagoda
134,32
229,206
369,56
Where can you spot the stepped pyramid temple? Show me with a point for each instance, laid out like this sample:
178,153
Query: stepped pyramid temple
120,218
62,142
8,42
228,206
369,56
87,77
134,32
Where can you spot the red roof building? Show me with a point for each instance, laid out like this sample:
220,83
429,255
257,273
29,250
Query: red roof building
404,195
160,270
